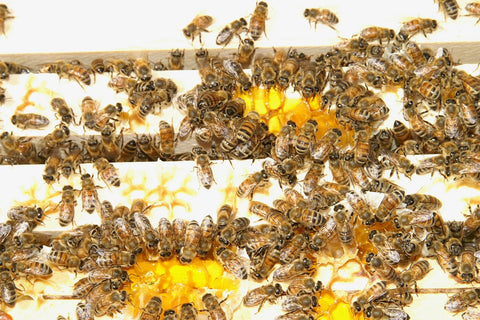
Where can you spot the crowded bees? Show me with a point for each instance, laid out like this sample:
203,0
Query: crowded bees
328,172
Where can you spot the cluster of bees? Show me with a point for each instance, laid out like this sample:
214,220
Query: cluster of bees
325,207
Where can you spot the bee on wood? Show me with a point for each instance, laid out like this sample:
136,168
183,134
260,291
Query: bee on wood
198,25
245,52
175,61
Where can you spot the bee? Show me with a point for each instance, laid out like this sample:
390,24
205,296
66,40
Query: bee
213,306
298,267
165,236
418,201
110,145
417,271
323,147
84,311
302,302
153,309
375,291
227,235
192,238
377,33
170,314
467,271
360,207
29,121
4,15
204,169
323,16
292,249
176,59
386,313
198,25
89,109
382,268
72,160
288,69
64,112
207,232
449,8
245,52
98,65
89,193
234,69
188,311
460,301
106,116
264,71
179,228
166,134
93,147
253,182
323,235
52,166
388,204
313,176
234,28
430,165
25,213
232,262
257,20
261,270
444,258
474,9
142,69
258,296
337,168
34,268
67,206
224,215
306,137
122,83
417,25
111,303
107,172
146,145
8,291
110,258
384,247
128,152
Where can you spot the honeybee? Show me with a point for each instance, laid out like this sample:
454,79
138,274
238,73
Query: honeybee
323,16
384,247
234,69
430,165
375,291
245,52
22,213
34,268
254,181
192,238
110,258
227,235
298,267
204,169
170,314
460,301
118,66
467,271
4,15
89,109
322,148
414,26
110,303
232,262
303,302
382,268
52,165
89,193
377,33
107,172
306,137
179,228
418,201
234,28
84,311
313,176
198,25
360,207
474,9
8,291
417,271
127,152
165,236
142,69
449,8
175,61
153,309
257,20
72,160
388,204
98,65
445,259
292,249
29,121
67,206
64,112
288,69
212,305
258,296
207,232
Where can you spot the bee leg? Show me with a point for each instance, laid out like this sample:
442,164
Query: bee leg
260,306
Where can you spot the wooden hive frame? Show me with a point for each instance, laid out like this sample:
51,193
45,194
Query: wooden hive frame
39,34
